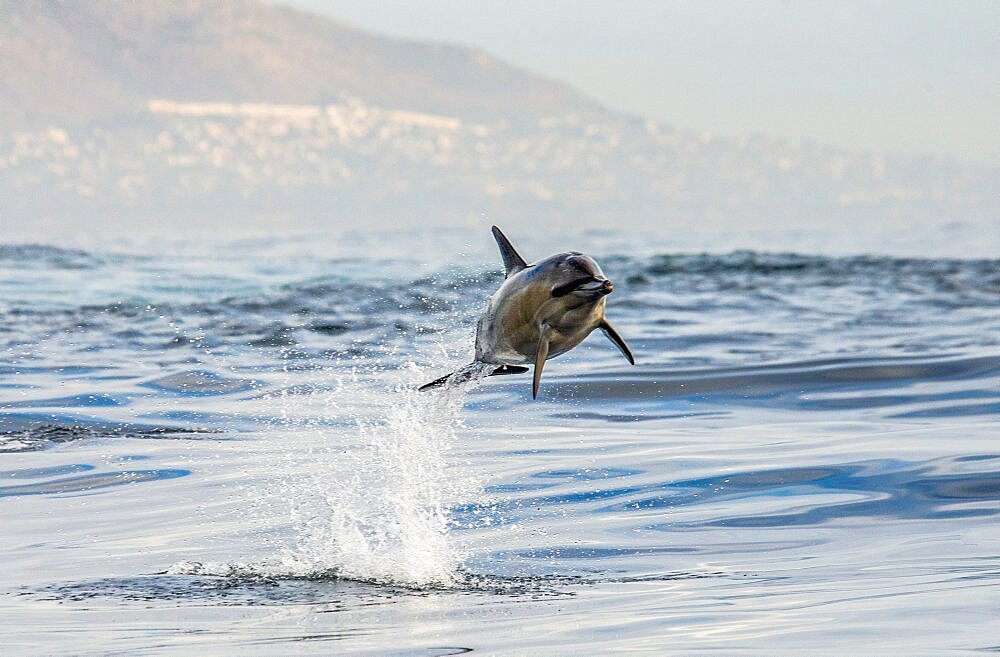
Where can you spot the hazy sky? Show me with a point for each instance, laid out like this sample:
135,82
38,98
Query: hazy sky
906,76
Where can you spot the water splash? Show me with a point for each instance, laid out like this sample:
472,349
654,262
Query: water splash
371,501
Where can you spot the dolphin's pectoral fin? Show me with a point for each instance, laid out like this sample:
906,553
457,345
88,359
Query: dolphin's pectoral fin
612,334
540,356
508,369
512,262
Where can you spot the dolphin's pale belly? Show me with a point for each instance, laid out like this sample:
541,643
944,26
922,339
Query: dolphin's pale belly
510,327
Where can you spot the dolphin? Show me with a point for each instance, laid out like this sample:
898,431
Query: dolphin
542,310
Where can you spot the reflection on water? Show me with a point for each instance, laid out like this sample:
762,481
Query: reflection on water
85,483
810,495
228,455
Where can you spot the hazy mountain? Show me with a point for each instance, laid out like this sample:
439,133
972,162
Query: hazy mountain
69,62
183,111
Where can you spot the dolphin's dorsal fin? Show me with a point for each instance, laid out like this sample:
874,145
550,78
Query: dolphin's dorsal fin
512,261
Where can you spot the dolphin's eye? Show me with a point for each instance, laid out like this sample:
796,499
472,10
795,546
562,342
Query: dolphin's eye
563,290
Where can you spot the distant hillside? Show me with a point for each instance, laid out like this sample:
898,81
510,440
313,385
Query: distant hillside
72,62
228,110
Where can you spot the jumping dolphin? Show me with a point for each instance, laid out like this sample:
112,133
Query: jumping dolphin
541,311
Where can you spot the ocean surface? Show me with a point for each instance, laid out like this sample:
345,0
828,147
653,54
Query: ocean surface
216,447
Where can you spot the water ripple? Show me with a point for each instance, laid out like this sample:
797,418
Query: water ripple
91,482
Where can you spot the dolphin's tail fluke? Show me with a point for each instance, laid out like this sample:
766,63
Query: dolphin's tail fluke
471,371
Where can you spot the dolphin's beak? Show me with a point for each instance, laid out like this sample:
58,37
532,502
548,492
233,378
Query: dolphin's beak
601,286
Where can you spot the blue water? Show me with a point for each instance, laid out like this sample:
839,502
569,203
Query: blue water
217,447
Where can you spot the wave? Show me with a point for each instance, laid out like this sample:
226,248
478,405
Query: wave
42,255
769,263
275,316
28,432
434,293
